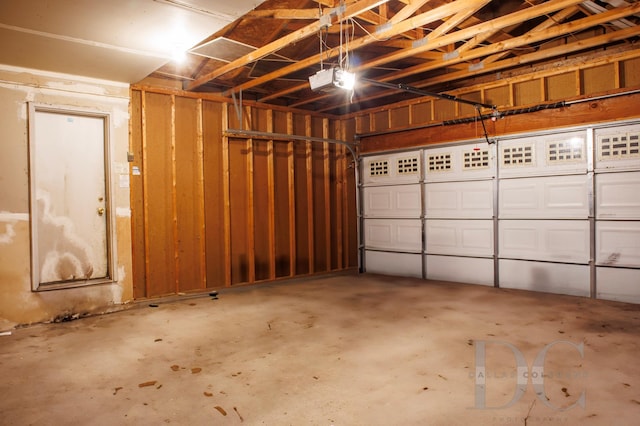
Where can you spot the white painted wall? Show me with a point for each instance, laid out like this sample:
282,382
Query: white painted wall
18,87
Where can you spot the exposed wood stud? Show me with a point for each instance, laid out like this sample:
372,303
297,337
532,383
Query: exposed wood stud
292,198
251,228
226,196
310,204
132,194
201,203
145,189
340,193
578,82
327,191
271,198
174,204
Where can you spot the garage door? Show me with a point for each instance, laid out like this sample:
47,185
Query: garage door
392,214
617,211
459,211
557,212
543,228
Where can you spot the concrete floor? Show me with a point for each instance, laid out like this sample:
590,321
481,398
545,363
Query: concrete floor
341,350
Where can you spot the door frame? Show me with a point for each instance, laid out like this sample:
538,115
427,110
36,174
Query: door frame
110,277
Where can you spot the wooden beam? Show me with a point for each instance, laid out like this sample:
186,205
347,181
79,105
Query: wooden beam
407,11
434,15
495,24
289,14
309,30
520,41
449,39
394,29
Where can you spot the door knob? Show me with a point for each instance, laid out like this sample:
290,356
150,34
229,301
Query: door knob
100,211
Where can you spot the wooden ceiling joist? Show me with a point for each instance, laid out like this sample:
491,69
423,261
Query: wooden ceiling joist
311,29
428,44
449,39
388,31
560,50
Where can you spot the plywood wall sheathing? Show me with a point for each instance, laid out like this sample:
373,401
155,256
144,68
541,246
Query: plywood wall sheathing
250,212
161,273
292,199
309,191
598,79
326,148
239,211
215,195
174,207
400,117
527,92
271,210
630,73
262,189
302,225
381,121
560,86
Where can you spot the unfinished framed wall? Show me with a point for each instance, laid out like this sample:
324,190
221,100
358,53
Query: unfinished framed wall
213,209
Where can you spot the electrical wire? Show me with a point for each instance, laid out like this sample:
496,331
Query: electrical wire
368,33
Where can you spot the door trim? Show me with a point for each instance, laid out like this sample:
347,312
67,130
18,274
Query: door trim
111,275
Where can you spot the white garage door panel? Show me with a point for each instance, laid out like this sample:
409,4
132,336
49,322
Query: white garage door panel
460,269
618,148
622,285
618,243
394,234
398,264
545,277
557,197
459,237
618,195
392,169
459,199
460,162
558,153
546,240
392,201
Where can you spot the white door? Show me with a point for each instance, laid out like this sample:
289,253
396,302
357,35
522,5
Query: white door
69,198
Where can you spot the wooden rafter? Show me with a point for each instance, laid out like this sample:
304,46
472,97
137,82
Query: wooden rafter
274,46
437,42
531,57
398,40
395,29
